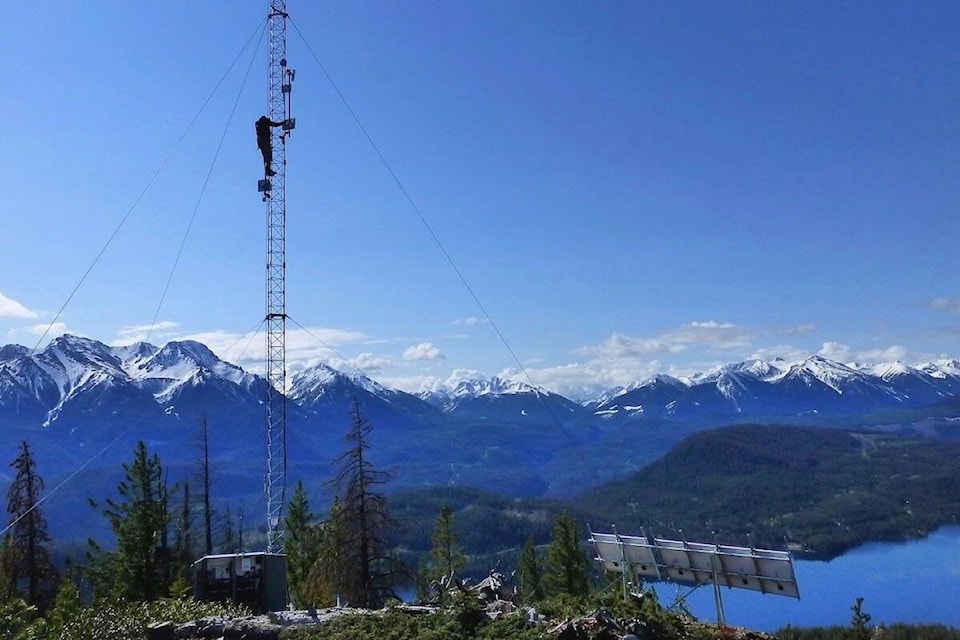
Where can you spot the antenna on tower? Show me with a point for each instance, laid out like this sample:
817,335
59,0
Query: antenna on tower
273,188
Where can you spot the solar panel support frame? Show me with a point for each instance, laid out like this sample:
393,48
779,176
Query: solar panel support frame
696,564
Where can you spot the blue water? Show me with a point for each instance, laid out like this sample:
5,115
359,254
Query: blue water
913,582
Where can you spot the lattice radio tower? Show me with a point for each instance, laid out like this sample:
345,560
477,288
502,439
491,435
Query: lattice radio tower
273,188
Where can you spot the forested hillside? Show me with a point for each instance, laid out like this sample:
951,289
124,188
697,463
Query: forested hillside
823,490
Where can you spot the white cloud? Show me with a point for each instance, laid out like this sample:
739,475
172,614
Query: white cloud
837,351
413,384
10,308
798,330
889,354
428,382
51,330
305,346
470,321
951,305
584,381
313,344
619,346
844,353
138,333
422,351
622,359
462,375
721,335
366,363
693,334
786,352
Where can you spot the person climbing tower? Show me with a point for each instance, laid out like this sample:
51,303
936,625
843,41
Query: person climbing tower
263,143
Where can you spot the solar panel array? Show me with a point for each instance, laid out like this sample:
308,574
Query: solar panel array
695,563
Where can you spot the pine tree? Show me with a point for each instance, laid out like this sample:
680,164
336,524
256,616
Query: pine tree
139,519
8,581
183,547
859,621
27,556
66,609
368,572
327,579
566,563
300,545
205,483
531,573
447,558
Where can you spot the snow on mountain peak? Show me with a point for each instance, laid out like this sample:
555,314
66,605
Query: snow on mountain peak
950,367
764,370
68,360
495,386
133,356
316,376
759,369
180,361
941,369
890,370
315,381
11,352
833,374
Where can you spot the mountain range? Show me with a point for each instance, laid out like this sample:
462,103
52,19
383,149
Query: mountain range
814,388
80,402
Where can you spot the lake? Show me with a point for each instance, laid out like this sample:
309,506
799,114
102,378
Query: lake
912,582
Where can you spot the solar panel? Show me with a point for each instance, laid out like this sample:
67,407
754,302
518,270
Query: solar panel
697,563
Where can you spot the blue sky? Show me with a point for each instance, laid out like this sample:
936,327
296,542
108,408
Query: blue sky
628,187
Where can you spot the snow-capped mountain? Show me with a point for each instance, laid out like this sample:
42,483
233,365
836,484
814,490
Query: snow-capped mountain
72,380
76,382
12,351
78,398
811,388
497,399
651,398
924,384
325,391
83,387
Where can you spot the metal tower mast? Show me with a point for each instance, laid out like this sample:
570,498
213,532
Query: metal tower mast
274,195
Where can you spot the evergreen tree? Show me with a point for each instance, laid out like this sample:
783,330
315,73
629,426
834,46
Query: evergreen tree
27,558
18,620
205,482
139,519
300,545
328,575
531,573
447,558
183,547
859,621
368,570
566,563
66,609
8,582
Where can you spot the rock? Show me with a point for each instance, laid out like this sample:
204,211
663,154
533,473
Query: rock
254,628
251,629
599,626
161,630
202,628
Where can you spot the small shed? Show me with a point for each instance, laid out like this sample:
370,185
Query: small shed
255,579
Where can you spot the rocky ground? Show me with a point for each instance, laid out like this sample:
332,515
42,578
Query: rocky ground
493,593
598,626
